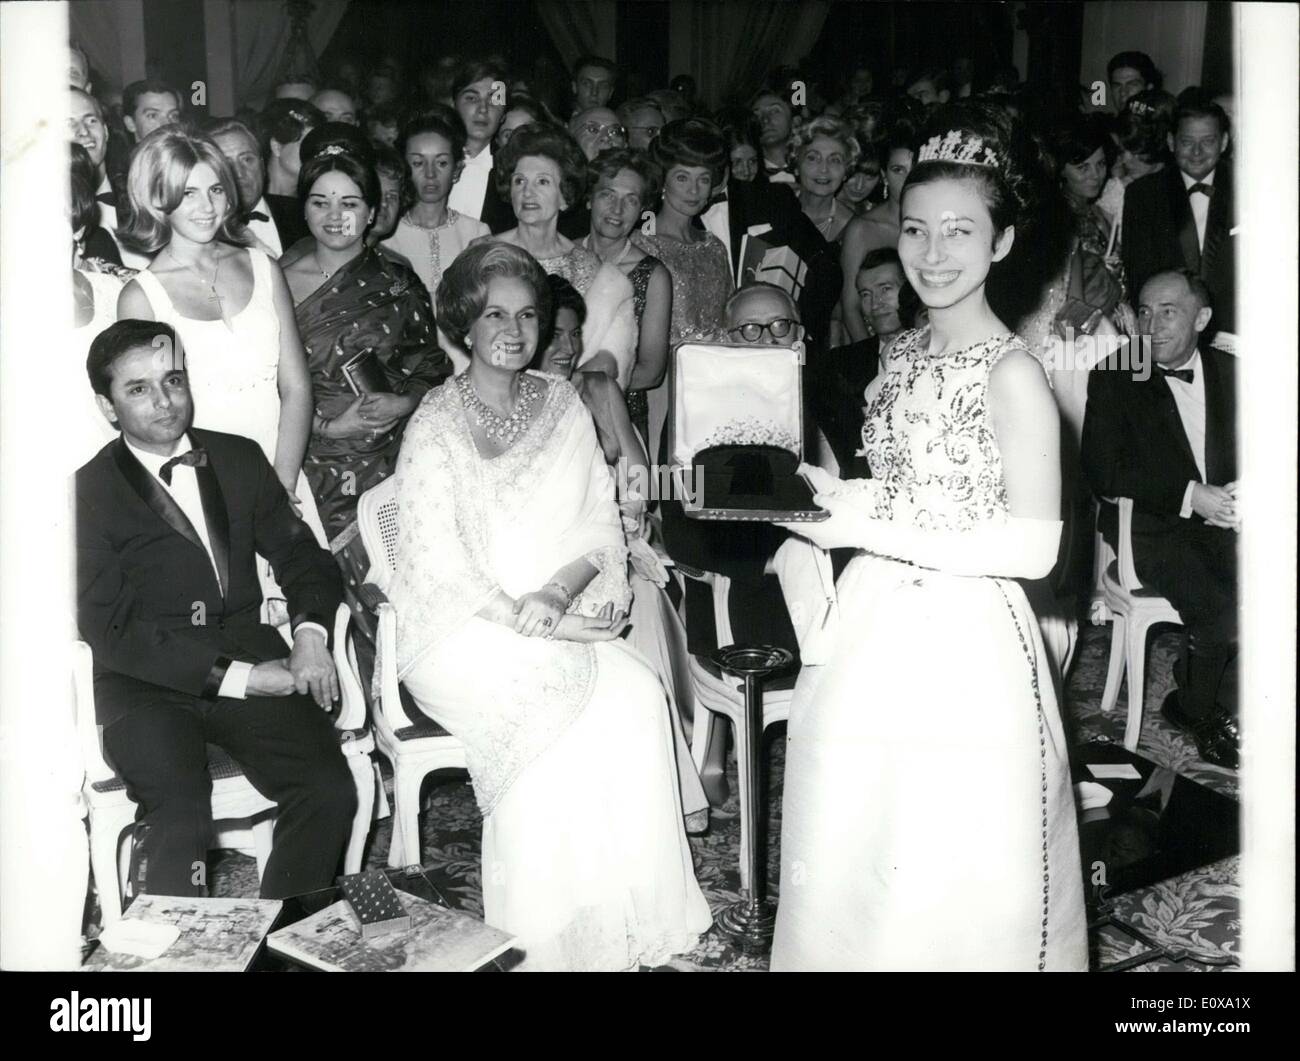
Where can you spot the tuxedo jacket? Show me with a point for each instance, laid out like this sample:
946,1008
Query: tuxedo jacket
759,202
148,601
1134,444
496,212
834,381
1159,233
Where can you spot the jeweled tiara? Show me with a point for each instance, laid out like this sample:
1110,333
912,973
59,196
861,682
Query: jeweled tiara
956,146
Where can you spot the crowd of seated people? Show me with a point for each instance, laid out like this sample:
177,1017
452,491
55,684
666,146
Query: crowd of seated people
472,280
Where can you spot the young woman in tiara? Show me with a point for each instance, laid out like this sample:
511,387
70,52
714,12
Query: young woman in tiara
928,818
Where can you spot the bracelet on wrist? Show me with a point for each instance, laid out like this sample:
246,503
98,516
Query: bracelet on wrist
564,590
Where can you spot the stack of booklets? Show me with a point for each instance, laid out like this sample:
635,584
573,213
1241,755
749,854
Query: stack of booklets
439,940
216,935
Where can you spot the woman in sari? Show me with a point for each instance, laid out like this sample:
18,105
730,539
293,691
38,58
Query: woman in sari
511,592
353,301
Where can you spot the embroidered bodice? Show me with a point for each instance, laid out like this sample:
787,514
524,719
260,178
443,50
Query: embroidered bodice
928,437
579,267
701,275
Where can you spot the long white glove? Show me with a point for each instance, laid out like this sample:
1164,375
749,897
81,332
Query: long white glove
1012,548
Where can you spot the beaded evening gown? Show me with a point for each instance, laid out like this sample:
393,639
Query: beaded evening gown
928,818
639,277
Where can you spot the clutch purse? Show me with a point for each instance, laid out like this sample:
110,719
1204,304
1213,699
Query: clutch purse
365,375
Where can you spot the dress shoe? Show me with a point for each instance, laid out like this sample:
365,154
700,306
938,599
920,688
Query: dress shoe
1217,736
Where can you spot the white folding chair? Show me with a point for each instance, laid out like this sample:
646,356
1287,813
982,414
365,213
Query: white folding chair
416,748
234,799
1134,609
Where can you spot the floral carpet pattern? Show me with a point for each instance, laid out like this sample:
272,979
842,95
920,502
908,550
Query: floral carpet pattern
1197,912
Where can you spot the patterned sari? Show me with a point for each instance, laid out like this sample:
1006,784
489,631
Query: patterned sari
373,303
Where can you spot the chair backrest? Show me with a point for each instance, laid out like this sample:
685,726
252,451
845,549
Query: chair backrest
377,523
1128,576
352,706
88,731
720,589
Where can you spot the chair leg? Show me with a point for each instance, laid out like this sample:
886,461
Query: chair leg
263,830
105,845
363,777
382,809
1137,659
404,850
1115,668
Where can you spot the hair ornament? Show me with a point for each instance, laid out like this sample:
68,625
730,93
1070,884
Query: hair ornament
332,149
956,146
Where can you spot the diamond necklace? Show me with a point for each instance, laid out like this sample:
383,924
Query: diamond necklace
501,429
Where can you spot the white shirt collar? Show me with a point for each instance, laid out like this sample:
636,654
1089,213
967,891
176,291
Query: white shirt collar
151,461
1189,181
483,160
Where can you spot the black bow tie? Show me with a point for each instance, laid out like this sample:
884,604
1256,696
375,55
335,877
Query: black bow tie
1184,374
195,458
257,215
1205,189
107,198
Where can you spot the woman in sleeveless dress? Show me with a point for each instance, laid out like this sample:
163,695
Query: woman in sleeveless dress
543,172
623,181
693,157
929,820
228,303
511,591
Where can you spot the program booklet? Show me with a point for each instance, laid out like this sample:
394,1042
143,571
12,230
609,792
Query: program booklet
440,940
216,935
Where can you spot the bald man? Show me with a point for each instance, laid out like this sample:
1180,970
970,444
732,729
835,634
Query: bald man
336,105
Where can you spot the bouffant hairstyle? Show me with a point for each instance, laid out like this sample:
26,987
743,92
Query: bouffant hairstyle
613,160
462,293
336,159
691,142
84,180
1143,137
161,165
121,338
1152,104
286,121
544,141
563,296
834,129
440,120
1006,188
1079,138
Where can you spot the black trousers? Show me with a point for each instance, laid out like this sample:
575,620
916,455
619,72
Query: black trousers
1195,569
288,750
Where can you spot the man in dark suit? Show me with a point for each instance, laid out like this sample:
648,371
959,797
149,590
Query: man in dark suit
168,521
1184,216
773,209
1167,440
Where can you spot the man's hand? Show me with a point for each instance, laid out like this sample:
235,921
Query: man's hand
312,668
1215,504
270,679
1234,524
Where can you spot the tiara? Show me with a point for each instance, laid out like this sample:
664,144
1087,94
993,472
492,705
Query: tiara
332,149
956,146
1138,107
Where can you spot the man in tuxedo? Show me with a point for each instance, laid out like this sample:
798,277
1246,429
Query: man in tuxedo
1184,216
168,520
772,211
148,105
834,380
775,116
237,142
1167,440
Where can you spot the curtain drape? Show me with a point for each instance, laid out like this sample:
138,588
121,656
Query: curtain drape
112,36
728,45
580,27
262,36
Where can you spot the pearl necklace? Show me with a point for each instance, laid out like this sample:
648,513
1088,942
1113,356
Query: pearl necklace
618,262
501,429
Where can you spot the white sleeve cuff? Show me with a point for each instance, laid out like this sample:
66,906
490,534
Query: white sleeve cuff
235,683
312,626
1186,511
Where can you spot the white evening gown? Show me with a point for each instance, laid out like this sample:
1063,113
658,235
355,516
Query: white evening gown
569,745
928,820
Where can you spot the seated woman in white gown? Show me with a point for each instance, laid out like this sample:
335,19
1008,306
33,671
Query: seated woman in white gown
928,819
511,591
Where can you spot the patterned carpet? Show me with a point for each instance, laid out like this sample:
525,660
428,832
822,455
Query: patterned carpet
1198,911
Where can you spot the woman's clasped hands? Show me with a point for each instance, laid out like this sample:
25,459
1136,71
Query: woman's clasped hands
542,614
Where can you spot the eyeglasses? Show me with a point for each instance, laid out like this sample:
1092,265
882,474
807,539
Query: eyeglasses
751,331
605,132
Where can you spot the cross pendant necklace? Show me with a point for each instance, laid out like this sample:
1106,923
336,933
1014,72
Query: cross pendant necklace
212,285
